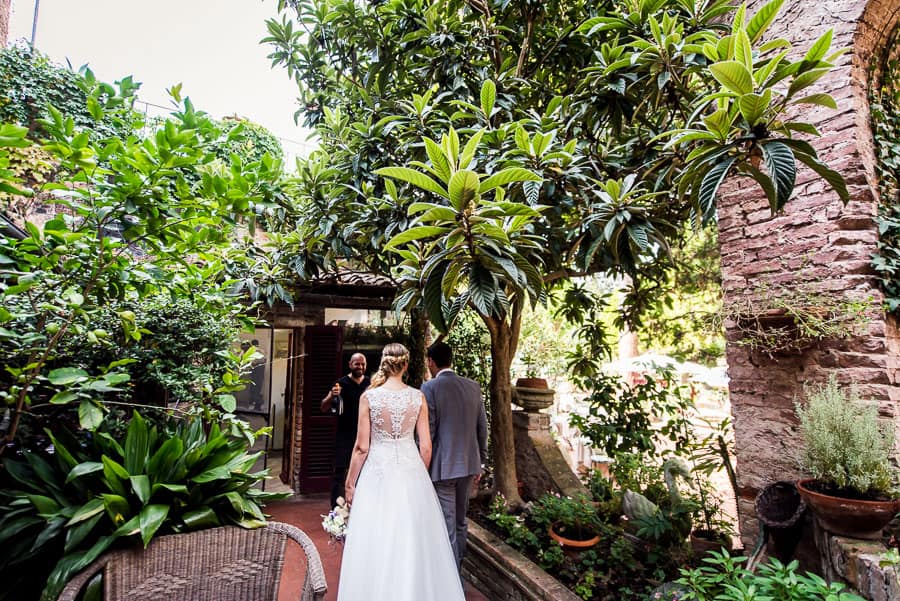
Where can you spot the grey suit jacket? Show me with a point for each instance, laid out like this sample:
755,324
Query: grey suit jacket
458,426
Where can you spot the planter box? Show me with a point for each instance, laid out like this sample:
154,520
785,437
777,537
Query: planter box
504,574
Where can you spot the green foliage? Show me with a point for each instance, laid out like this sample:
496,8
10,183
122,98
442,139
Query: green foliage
621,417
684,322
179,351
775,319
748,127
253,142
575,518
160,200
884,103
723,578
30,84
844,443
578,101
61,511
612,570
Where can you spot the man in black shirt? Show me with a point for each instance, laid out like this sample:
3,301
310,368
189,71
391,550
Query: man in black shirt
350,388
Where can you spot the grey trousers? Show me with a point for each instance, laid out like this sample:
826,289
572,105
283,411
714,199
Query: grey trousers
454,497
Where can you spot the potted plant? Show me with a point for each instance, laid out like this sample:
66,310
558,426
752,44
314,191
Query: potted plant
531,379
573,522
847,453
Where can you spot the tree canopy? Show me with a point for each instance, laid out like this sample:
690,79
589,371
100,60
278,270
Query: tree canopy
483,150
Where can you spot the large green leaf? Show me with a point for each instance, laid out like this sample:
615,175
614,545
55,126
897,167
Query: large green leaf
463,188
820,48
416,178
88,510
507,176
137,445
151,518
830,175
437,158
734,76
415,233
709,186
140,484
90,415
753,106
64,376
826,100
88,467
433,298
760,21
782,168
764,181
488,95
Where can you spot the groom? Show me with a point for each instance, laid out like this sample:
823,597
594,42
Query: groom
458,439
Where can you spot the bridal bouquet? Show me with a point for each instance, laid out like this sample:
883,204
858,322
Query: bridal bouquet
337,520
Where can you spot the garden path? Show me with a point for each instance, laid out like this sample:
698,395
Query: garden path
305,512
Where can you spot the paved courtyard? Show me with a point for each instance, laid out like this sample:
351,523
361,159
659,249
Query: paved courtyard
306,512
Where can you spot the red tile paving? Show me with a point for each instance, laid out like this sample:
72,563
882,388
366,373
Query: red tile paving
306,512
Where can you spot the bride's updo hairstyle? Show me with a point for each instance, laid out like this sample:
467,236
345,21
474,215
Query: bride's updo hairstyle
394,359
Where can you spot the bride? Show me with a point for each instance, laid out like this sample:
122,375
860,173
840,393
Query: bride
397,545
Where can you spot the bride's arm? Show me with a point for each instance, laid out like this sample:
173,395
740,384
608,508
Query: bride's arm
423,432
360,449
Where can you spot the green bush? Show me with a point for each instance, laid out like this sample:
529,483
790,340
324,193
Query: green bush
724,578
844,445
30,82
63,509
179,352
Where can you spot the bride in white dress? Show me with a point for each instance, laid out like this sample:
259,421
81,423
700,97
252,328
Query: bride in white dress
397,545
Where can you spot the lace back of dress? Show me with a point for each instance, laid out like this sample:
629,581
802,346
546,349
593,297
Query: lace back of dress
393,412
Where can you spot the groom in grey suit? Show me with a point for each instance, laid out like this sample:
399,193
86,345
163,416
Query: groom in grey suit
458,439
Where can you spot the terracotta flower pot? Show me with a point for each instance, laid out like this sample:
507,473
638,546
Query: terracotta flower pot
531,383
854,518
571,543
704,541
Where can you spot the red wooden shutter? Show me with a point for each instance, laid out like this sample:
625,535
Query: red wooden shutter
321,367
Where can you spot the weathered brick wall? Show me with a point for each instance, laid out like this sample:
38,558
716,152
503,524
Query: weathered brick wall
816,243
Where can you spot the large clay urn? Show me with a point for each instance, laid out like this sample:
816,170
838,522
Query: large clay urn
854,518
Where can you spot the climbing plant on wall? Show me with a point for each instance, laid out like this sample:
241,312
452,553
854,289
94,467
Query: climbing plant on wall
884,99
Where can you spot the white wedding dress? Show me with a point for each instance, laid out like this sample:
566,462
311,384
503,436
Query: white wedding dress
397,546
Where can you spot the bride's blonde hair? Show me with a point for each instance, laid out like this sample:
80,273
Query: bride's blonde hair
394,359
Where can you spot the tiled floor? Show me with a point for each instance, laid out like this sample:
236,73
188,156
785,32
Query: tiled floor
306,512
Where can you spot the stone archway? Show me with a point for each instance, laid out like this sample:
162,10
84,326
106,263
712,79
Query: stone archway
816,242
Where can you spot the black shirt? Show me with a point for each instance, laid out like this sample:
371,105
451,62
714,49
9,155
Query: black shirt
349,420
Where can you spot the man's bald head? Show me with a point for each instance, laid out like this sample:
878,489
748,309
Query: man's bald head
357,365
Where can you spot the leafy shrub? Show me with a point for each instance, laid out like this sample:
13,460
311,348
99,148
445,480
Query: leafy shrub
844,445
60,511
621,417
576,517
723,578
30,82
179,349
610,570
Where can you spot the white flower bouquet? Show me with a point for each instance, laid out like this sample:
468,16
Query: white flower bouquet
337,521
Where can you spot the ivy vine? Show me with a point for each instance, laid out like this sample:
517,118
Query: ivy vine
884,102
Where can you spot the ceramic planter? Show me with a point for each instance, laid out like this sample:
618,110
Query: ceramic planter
533,400
849,517
570,543
704,541
531,383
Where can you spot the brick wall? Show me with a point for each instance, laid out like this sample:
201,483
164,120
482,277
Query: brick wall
818,244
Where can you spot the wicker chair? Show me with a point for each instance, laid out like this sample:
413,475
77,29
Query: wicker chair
219,564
